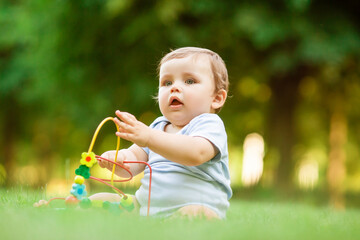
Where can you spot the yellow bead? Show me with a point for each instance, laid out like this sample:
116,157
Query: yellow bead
79,179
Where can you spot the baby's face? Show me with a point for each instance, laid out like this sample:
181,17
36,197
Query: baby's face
186,89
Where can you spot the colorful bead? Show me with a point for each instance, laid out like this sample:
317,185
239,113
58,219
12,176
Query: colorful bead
71,201
85,203
106,205
78,190
79,179
88,159
112,207
83,171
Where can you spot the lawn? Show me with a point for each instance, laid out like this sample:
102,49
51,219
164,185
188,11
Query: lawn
246,220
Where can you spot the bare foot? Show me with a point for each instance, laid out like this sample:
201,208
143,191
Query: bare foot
196,212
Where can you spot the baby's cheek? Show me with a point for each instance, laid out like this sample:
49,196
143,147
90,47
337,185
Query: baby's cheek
162,94
162,101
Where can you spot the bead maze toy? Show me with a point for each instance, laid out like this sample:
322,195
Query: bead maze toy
78,191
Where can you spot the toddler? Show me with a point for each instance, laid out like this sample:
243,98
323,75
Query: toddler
187,146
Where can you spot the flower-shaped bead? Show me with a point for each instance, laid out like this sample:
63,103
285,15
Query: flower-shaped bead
88,159
78,190
83,171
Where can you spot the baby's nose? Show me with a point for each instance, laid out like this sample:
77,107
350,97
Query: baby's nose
175,88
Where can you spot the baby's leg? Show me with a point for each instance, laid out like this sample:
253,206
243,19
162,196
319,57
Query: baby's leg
111,197
196,211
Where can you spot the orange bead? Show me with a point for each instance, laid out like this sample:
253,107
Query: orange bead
71,201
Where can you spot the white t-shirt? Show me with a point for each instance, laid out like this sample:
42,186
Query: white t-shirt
175,185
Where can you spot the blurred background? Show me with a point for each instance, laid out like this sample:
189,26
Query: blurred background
292,118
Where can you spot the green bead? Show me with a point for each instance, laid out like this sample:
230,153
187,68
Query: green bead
85,203
83,171
106,204
113,207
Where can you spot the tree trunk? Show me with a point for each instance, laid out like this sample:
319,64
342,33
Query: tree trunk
9,137
280,130
336,171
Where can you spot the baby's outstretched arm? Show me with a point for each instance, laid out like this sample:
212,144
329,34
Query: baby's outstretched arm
133,153
186,150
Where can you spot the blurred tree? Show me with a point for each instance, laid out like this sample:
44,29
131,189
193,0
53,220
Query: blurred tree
295,40
14,45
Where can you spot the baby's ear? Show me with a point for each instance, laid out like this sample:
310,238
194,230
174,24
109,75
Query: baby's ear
219,99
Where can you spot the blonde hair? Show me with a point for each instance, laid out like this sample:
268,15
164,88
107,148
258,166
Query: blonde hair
218,67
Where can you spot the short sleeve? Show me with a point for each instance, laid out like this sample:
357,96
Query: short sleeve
210,127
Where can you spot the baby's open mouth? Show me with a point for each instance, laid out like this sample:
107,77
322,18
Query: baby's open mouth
175,102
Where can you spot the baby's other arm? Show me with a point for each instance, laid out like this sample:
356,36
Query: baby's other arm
133,153
183,149
186,150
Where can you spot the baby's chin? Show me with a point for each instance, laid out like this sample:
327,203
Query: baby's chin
180,120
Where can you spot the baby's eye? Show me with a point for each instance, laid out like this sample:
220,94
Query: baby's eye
190,81
167,83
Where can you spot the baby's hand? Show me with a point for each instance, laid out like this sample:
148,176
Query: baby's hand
131,129
110,155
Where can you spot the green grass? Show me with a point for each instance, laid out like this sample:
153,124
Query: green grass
246,220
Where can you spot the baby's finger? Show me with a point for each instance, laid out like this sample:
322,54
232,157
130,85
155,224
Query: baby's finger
126,117
130,116
116,121
123,127
104,164
109,165
124,135
101,163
